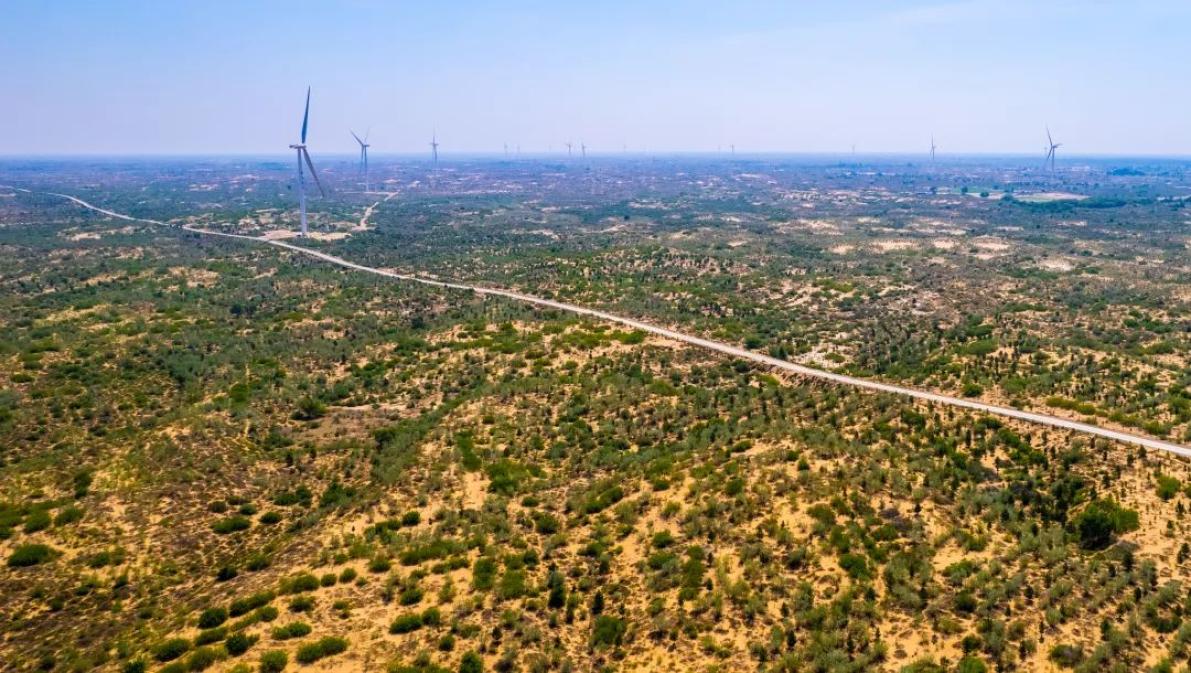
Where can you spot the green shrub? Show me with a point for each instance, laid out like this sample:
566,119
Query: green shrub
411,518
1067,656
210,636
257,562
855,565
1100,521
471,663
170,649
134,666
512,584
347,575
971,664
248,603
309,409
662,539
319,649
274,661
406,623
269,518
1168,486
298,584
265,613
239,642
301,604
411,595
231,524
68,515
608,631
432,617
212,617
291,630
202,659
546,524
38,519
483,573
30,555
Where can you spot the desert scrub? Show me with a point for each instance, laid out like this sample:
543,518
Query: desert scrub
202,659
231,524
274,661
30,555
291,630
321,648
239,642
171,649
212,617
247,604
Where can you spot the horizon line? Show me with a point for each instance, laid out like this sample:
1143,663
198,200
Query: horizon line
501,155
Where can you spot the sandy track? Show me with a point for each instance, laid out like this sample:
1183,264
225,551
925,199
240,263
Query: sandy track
719,347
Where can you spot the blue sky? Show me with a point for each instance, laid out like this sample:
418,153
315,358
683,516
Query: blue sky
122,77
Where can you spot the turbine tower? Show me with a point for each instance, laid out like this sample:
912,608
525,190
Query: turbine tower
583,150
933,147
363,155
434,146
1050,150
303,155
568,150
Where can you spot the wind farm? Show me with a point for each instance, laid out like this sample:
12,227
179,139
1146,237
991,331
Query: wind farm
683,350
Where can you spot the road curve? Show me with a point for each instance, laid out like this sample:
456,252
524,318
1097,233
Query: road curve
719,347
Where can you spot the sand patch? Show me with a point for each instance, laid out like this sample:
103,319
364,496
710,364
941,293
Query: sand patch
892,246
282,234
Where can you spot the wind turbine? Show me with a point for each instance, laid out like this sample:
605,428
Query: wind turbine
303,155
363,155
933,147
568,150
1050,150
583,150
434,145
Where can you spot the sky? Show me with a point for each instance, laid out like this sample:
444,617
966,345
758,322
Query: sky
229,77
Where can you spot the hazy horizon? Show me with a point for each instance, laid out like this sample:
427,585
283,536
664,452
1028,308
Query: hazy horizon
224,79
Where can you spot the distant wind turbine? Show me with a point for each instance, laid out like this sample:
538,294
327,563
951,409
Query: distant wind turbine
434,145
583,150
733,148
363,155
933,147
303,155
568,150
1050,150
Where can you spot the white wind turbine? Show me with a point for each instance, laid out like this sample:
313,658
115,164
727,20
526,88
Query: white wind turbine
303,155
363,155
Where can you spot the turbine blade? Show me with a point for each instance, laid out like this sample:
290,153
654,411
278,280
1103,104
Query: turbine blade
356,137
313,174
1048,138
306,115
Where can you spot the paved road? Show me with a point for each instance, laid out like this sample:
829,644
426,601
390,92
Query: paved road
727,349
